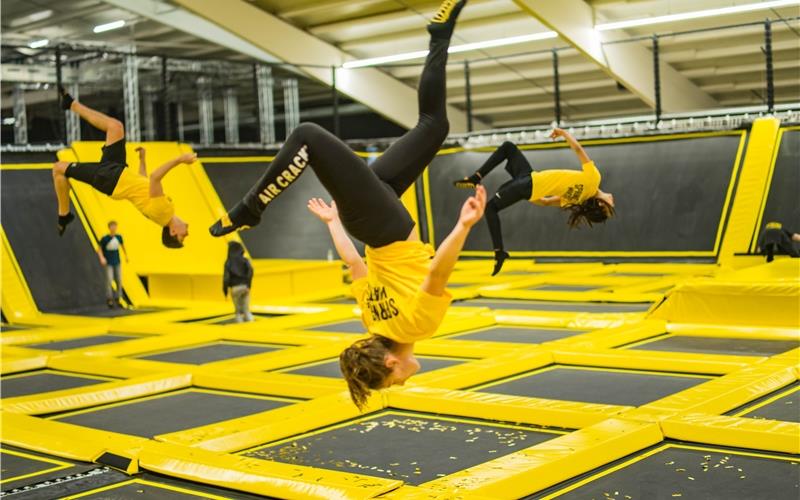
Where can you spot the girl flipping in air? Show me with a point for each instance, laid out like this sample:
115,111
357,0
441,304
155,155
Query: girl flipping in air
400,289
575,191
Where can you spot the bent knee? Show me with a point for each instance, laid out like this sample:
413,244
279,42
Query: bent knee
308,129
115,125
60,167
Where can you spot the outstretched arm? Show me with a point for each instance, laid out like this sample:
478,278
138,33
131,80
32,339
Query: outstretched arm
142,162
158,174
447,255
573,143
344,245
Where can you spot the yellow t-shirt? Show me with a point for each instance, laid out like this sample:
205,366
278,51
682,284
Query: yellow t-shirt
391,299
136,189
573,186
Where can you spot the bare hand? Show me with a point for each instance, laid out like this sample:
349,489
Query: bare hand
103,261
558,132
141,152
188,158
326,213
473,208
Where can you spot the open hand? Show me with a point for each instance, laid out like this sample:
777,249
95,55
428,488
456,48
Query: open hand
558,132
188,158
473,208
141,152
326,213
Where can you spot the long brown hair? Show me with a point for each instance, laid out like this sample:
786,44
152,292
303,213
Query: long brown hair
364,368
591,211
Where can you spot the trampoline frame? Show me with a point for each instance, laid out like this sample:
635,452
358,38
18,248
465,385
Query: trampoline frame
59,465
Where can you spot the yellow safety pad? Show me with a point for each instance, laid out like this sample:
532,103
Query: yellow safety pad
758,434
17,302
733,331
652,360
15,364
548,463
44,335
276,384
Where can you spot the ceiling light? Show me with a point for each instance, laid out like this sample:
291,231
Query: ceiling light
108,26
9,121
697,14
31,18
38,44
407,56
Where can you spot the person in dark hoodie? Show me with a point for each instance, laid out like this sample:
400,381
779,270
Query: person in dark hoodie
237,279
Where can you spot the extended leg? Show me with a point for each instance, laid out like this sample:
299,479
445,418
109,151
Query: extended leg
509,193
508,151
62,187
111,126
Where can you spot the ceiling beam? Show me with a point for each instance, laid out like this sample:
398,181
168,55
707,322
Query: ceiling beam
379,91
631,64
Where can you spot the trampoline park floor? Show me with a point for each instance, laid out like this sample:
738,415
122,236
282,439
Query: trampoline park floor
515,398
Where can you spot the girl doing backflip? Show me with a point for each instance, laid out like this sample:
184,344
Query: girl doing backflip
575,191
400,289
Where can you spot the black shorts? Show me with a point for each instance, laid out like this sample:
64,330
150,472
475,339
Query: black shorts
102,176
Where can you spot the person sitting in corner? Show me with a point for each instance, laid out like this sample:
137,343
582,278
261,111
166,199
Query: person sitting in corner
777,239
108,252
111,177
238,278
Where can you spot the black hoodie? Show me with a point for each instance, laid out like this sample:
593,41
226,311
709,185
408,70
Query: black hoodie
238,270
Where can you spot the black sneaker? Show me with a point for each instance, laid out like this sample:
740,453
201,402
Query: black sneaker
66,99
63,222
499,259
444,21
238,219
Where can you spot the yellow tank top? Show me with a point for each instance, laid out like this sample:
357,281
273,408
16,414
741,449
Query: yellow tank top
573,186
136,189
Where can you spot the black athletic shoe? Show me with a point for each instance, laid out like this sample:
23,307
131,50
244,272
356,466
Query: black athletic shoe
238,219
63,221
468,182
66,99
499,259
444,21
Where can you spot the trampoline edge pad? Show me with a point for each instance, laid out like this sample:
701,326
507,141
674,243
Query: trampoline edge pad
750,433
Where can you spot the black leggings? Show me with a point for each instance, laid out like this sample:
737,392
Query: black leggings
519,188
367,197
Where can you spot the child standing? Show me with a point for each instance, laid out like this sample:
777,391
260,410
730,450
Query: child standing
108,252
238,277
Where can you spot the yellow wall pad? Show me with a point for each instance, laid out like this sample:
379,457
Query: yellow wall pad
521,410
17,302
15,364
564,319
270,383
727,392
751,189
95,395
55,465
683,363
261,477
571,296
733,332
44,335
254,430
548,463
757,434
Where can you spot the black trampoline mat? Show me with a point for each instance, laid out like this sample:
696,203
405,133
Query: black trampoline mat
589,385
517,335
64,345
171,412
677,471
415,448
210,353
14,465
331,368
103,311
5,327
138,489
564,288
719,345
46,381
350,326
783,404
539,305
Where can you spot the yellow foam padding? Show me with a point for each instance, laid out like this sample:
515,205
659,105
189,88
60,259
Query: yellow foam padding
270,383
14,364
66,321
728,392
751,433
107,366
265,427
485,370
751,189
94,395
545,464
733,331
589,296
682,362
462,348
499,407
261,477
616,335
44,335
564,319
291,356
17,300
65,440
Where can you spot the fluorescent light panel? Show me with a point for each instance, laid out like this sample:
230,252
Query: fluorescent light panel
109,26
38,44
698,14
418,54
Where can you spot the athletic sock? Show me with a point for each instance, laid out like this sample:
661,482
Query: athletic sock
66,99
63,221
468,182
500,257
238,218
444,21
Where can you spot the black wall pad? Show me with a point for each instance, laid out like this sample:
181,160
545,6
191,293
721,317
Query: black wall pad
209,353
689,473
413,447
619,387
35,383
287,229
63,273
331,368
781,205
719,345
519,335
669,195
64,345
783,404
599,307
171,412
352,326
